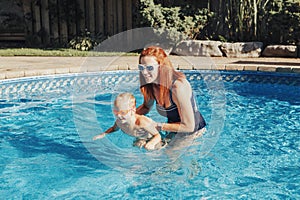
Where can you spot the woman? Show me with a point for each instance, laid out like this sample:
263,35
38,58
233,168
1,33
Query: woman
172,93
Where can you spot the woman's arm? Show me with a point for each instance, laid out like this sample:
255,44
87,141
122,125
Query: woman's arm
145,107
181,95
112,129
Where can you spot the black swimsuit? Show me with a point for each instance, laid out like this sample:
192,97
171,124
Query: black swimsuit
173,115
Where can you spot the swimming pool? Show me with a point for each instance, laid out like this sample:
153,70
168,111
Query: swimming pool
250,151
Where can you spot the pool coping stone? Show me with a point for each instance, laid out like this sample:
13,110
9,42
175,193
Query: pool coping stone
26,66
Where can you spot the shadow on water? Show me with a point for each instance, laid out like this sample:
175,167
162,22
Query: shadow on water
279,92
30,145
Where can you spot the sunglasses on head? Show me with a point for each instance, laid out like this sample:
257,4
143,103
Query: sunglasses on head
148,67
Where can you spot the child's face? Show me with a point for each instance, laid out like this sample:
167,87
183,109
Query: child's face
123,112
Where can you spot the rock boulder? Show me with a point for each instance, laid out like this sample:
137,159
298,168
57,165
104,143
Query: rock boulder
198,48
242,49
280,51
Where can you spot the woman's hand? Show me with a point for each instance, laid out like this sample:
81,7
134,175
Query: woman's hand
159,126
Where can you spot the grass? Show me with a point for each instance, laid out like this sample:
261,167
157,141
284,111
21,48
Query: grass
63,52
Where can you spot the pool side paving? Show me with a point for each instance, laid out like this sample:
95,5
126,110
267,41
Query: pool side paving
26,66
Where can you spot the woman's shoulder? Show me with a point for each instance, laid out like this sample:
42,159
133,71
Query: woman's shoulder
180,84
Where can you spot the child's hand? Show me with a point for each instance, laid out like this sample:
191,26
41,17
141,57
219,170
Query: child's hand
100,136
149,146
139,143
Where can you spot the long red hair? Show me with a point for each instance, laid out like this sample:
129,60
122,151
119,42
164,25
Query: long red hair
167,75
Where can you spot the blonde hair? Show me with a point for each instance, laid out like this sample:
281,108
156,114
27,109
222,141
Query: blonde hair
126,97
167,74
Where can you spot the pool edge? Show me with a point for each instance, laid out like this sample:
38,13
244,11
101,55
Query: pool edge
18,67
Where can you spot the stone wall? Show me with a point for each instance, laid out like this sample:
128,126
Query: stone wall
234,50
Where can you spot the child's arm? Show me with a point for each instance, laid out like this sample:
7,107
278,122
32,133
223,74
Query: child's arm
150,145
149,125
108,131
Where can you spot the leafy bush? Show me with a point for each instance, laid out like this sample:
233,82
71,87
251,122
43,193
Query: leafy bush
270,21
284,22
173,23
83,43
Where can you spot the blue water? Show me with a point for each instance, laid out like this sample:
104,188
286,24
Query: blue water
251,149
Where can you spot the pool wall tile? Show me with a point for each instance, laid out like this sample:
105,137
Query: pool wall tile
296,70
132,67
75,70
250,68
267,69
203,67
47,71
2,75
14,74
31,73
111,68
234,68
219,67
93,69
284,70
123,67
185,67
62,70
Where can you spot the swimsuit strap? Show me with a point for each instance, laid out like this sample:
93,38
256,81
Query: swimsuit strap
171,99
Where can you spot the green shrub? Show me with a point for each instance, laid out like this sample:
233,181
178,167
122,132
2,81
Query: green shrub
270,21
284,22
174,23
84,42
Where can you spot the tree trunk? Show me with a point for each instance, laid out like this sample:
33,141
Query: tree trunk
255,18
45,22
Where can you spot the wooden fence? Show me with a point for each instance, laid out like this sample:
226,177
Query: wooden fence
57,21
50,22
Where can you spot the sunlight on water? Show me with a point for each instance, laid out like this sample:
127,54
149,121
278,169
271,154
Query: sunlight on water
250,150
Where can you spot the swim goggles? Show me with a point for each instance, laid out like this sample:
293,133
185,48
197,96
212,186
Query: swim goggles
148,67
121,112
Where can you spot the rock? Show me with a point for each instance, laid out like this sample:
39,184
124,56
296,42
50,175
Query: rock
280,51
242,49
198,48
166,47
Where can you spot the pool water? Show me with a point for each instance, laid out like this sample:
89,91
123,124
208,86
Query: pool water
251,149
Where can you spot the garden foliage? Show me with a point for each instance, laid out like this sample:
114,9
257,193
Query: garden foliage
269,21
173,23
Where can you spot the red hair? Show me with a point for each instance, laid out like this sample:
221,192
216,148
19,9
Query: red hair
167,75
